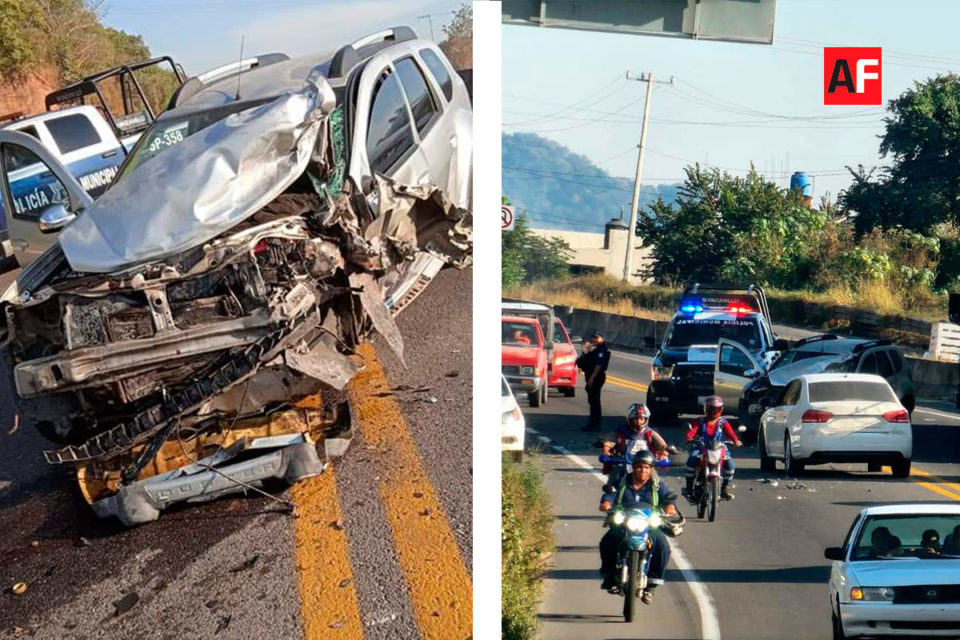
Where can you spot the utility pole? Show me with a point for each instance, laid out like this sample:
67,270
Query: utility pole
430,18
632,231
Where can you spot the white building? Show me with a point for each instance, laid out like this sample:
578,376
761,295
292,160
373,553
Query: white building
602,252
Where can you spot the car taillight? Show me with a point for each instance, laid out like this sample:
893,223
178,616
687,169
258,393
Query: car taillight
899,415
815,415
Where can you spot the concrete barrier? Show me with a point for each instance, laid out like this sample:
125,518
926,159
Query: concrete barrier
932,379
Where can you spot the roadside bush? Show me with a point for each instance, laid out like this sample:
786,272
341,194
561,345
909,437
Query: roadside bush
527,544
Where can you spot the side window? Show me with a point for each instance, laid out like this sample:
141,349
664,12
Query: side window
869,364
884,368
389,134
422,104
733,360
559,332
897,360
33,193
72,132
439,71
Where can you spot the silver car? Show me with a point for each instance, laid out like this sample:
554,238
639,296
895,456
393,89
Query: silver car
278,213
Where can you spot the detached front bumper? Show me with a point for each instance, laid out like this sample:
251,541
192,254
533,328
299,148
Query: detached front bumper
885,618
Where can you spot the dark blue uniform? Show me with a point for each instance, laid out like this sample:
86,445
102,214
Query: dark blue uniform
600,357
637,499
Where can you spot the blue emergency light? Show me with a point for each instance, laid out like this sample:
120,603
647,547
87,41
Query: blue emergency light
691,306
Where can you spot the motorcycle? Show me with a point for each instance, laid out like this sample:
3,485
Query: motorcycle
633,558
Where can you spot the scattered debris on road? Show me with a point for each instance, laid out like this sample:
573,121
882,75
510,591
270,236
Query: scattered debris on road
124,604
19,588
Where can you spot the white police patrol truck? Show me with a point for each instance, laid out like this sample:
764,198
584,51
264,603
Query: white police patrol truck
81,139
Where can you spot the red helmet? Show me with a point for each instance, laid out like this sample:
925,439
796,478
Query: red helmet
712,407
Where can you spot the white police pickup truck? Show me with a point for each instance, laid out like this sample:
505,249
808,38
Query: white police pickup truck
82,140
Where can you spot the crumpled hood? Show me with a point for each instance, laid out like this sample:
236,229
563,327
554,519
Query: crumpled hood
201,187
782,375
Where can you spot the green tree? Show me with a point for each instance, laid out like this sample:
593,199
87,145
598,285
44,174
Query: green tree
17,40
457,44
526,256
921,187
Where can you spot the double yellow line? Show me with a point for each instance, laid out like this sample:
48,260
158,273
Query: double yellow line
629,384
439,585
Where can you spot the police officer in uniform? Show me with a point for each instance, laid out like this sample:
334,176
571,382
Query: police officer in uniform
595,369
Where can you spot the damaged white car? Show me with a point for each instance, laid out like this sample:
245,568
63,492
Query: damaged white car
175,338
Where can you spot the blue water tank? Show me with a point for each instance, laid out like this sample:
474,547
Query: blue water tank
802,181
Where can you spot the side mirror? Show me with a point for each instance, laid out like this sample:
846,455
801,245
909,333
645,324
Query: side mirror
954,308
751,373
576,339
833,553
780,345
54,218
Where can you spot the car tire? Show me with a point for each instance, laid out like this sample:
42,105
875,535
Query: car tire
570,392
837,625
901,469
534,398
791,466
767,464
544,391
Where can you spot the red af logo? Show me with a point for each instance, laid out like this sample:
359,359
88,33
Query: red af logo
852,75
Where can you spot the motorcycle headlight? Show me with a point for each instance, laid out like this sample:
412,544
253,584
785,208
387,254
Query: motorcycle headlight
713,455
655,520
636,523
872,593
526,371
618,517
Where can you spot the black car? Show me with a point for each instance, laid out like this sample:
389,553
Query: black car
826,353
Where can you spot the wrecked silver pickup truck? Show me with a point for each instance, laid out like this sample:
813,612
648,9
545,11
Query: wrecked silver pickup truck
174,339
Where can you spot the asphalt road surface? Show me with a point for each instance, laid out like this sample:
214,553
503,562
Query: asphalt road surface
758,571
381,547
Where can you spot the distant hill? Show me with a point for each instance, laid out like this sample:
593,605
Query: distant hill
560,189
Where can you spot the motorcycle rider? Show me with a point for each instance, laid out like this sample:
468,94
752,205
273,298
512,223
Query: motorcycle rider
630,438
639,490
711,426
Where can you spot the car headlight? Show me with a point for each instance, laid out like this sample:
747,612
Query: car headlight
872,593
658,372
526,371
618,517
655,520
514,415
636,523
565,360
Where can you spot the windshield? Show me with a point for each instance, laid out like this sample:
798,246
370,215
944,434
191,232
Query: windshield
851,390
927,536
519,334
173,130
687,331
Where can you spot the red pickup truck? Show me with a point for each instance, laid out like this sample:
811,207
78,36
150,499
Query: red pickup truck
524,357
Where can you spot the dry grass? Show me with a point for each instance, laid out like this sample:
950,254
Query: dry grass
563,294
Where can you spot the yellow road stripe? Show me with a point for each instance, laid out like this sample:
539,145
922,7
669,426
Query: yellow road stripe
629,384
441,590
934,487
328,598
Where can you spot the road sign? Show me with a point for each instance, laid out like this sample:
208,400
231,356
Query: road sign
507,220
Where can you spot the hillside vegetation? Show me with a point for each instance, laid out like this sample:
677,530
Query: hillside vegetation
559,189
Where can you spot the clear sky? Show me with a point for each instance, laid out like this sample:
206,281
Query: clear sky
722,86
202,34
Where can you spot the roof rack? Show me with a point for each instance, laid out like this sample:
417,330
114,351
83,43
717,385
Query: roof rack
817,338
354,53
196,83
869,344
